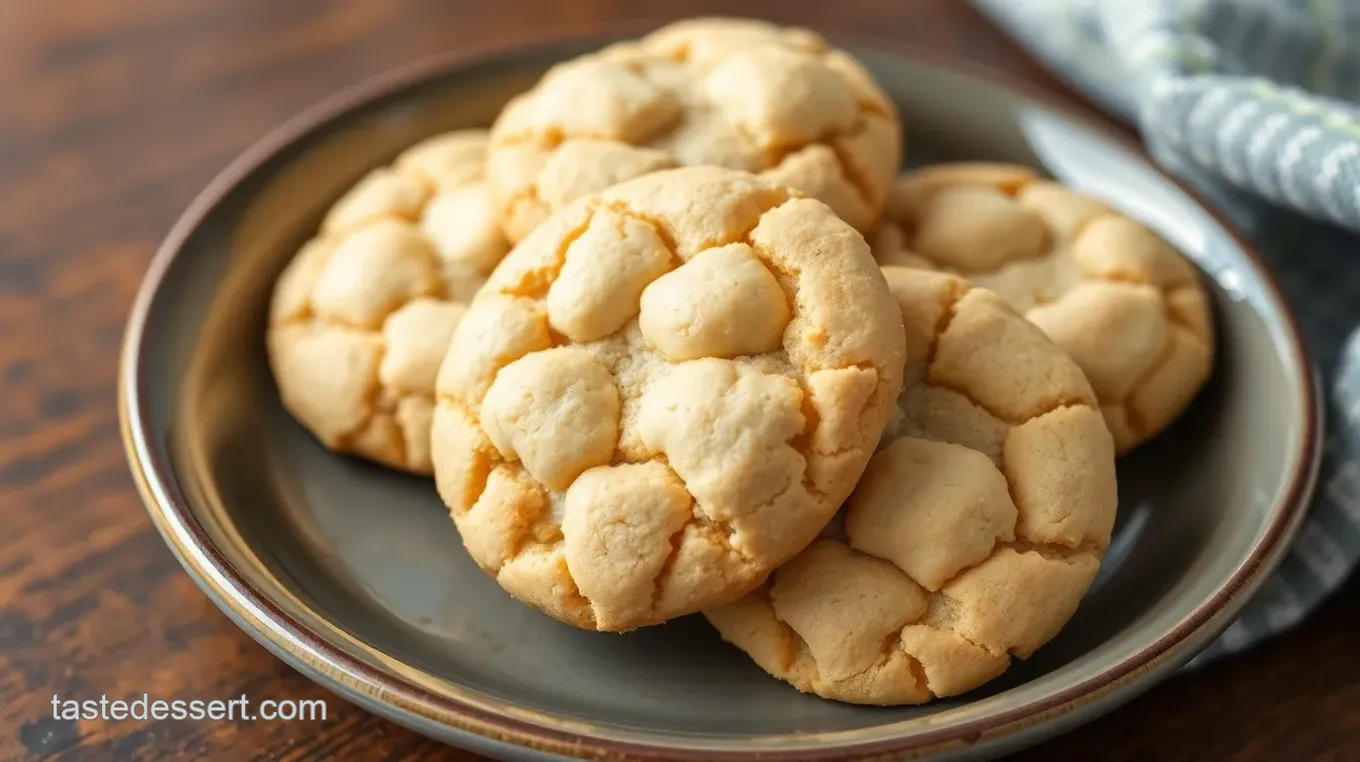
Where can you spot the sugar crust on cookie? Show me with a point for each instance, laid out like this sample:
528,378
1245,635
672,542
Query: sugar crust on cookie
361,317
736,93
975,532
662,393
1124,304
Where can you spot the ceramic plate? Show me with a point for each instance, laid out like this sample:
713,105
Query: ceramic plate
355,576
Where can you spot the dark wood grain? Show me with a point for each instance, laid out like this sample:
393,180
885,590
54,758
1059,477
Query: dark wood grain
112,115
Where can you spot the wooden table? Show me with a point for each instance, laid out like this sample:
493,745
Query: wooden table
112,116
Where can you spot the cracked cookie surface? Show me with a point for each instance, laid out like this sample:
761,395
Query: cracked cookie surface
975,532
662,393
1125,305
734,93
362,316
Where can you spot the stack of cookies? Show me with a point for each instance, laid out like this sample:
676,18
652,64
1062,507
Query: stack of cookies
672,338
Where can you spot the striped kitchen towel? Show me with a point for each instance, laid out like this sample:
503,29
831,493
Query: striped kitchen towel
1256,103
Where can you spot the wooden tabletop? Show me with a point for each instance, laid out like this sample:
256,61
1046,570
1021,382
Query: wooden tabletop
112,116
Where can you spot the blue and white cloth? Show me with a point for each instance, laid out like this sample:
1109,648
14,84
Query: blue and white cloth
1257,103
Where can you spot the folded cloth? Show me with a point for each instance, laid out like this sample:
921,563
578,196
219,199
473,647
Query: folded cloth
1257,104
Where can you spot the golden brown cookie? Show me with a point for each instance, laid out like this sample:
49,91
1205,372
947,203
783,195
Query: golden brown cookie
1126,306
362,316
725,92
975,531
662,393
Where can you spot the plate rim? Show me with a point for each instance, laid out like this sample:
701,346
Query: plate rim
446,717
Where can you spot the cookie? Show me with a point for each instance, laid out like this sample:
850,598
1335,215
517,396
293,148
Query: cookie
734,93
362,316
662,393
976,530
1125,305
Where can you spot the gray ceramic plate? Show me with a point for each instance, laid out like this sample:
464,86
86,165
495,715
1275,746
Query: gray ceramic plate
355,575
